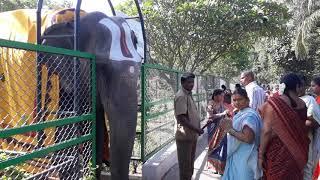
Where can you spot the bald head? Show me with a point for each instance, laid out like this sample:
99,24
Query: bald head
246,77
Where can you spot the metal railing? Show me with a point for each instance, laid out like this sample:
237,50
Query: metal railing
156,119
41,135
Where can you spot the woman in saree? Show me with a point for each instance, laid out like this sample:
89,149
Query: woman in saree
216,112
243,140
283,152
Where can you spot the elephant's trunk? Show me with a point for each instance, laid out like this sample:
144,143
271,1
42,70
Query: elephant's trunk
119,83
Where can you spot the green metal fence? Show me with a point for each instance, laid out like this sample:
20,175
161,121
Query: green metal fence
156,119
47,112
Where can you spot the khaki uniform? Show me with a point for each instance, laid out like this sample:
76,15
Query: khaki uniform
186,139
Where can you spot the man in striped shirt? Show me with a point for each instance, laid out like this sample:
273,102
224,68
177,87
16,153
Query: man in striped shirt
256,94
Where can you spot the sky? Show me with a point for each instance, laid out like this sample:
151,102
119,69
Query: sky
96,5
103,6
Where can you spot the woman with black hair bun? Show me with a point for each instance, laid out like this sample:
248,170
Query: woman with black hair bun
237,86
283,151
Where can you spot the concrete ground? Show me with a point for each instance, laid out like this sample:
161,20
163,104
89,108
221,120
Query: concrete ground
200,166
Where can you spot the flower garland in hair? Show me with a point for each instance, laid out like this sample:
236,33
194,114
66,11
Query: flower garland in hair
282,87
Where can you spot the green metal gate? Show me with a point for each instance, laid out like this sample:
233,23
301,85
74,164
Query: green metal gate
47,112
156,119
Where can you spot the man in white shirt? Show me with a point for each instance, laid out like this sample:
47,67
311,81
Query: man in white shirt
256,94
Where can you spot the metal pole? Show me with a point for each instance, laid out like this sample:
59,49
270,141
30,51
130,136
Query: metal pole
112,8
198,95
76,60
39,115
76,25
177,82
39,7
143,111
94,96
143,31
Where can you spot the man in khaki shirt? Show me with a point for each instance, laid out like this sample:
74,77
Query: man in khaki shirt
188,126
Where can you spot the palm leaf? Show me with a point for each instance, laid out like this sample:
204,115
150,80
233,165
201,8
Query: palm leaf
310,4
311,20
300,48
305,28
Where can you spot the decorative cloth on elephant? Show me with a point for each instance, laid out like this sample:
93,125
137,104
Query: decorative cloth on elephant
122,46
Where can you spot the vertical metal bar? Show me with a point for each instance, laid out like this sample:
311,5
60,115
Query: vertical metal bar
206,89
76,60
177,82
143,111
198,95
143,31
39,115
94,95
77,25
112,8
39,7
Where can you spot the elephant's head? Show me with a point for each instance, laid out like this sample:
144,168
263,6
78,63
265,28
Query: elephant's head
118,66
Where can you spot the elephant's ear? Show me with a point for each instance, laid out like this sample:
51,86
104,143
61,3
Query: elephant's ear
58,29
101,44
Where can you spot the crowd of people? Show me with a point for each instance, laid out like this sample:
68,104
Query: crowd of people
253,132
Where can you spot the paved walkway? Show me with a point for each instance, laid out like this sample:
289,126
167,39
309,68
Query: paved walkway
200,166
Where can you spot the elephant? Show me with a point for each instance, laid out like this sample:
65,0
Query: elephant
117,70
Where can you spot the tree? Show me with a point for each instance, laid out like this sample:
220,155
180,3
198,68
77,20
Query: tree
199,35
306,16
297,50
8,5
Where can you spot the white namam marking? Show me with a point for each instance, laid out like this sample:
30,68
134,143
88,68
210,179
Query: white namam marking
115,49
131,69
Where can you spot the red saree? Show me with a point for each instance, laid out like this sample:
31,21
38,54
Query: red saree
287,152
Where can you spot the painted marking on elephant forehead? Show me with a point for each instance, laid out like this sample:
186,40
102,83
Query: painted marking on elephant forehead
115,49
131,69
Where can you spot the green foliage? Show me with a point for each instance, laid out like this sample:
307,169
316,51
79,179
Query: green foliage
129,7
202,36
297,50
92,172
8,5
232,64
11,172
306,16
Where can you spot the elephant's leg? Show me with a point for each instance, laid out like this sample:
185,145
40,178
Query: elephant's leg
99,136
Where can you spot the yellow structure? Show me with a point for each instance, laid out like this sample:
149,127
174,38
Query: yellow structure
19,83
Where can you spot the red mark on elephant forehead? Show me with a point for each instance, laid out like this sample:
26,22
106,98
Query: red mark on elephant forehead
124,48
